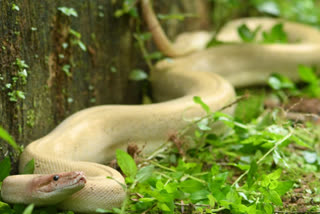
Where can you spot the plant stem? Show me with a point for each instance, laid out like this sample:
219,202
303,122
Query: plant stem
264,156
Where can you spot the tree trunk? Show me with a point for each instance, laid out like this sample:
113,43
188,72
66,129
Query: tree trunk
71,62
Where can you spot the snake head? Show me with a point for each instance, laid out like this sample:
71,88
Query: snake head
51,189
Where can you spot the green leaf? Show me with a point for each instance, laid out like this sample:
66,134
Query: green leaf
252,173
252,209
199,195
212,201
66,69
190,186
29,167
268,208
100,210
164,207
204,106
5,208
20,94
274,197
269,7
145,173
307,74
214,42
29,209
177,16
245,33
82,46
126,163
217,181
154,55
203,124
5,136
299,141
278,81
275,175
310,157
5,166
249,109
15,7
276,35
75,33
147,199
284,186
68,11
138,75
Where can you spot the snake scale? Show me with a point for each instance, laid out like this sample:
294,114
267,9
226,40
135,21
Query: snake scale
69,168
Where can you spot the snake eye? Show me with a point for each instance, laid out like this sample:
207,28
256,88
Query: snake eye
56,177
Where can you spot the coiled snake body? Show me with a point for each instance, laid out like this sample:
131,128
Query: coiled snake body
89,138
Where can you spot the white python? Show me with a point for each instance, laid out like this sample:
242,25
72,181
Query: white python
90,137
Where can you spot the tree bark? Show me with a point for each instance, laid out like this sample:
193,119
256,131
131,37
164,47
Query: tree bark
37,38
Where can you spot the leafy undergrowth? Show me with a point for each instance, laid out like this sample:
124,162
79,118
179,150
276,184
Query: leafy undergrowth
257,165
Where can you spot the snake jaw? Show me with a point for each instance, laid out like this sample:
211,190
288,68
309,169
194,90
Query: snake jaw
51,189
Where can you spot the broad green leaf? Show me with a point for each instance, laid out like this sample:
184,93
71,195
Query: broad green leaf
212,200
268,208
145,173
199,195
252,209
126,163
204,106
218,181
138,75
190,186
164,207
307,74
275,175
284,186
5,166
233,197
274,197
29,167
5,208
171,187
29,209
159,185
5,136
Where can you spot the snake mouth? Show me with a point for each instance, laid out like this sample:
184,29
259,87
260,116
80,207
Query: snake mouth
80,179
76,179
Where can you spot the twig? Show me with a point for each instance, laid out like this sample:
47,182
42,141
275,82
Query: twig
264,156
183,131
